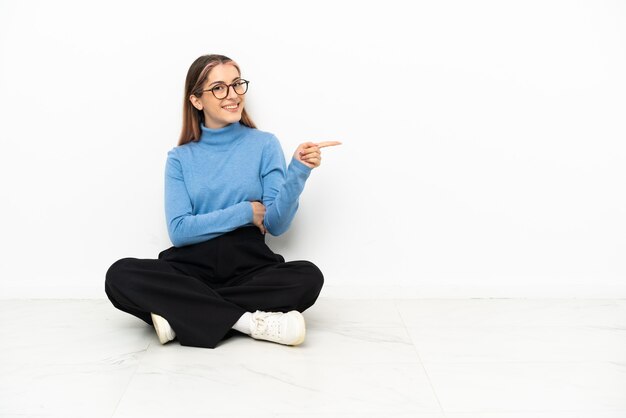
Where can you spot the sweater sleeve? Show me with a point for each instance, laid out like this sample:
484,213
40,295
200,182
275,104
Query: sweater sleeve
282,187
185,228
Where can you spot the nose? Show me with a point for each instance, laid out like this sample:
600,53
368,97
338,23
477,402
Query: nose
231,93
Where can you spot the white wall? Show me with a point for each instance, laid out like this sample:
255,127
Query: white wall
483,142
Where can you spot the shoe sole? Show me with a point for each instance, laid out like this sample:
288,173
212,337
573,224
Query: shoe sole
303,324
160,328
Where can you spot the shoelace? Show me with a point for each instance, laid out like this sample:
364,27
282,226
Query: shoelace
268,324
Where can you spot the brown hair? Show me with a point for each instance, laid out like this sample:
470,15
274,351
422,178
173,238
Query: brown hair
196,77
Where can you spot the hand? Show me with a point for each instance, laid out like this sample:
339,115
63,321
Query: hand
258,209
309,153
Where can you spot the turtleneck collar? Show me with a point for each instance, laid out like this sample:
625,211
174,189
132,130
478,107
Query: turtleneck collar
221,136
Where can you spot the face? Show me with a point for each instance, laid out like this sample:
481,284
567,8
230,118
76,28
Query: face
216,115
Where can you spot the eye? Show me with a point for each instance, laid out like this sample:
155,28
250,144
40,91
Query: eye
240,83
219,88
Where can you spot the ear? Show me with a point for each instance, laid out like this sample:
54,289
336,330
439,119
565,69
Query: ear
195,102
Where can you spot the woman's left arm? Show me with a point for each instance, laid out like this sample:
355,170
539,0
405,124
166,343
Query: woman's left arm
283,185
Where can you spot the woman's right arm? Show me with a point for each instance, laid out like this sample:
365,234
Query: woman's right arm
185,228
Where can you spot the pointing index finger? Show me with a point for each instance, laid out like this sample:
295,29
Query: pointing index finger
328,144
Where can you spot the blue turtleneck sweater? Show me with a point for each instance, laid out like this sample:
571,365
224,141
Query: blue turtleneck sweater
209,184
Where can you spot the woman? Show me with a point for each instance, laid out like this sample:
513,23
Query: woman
226,184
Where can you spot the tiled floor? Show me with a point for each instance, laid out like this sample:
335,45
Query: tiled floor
492,358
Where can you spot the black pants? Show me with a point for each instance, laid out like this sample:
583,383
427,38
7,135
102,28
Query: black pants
203,289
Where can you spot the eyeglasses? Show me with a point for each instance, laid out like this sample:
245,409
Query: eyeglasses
221,90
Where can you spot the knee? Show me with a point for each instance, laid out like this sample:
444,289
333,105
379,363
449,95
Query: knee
313,277
311,282
117,272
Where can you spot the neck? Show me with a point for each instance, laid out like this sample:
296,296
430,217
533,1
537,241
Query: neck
220,136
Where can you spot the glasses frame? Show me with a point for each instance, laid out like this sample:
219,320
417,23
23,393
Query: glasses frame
228,86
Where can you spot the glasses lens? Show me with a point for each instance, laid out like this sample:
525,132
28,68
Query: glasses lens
241,87
220,91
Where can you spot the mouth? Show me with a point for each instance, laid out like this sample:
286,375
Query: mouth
232,108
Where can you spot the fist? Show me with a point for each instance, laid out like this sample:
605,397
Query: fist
258,211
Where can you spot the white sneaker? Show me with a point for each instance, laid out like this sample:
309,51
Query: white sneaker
163,329
284,328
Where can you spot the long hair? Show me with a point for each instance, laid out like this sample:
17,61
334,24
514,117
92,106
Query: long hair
196,77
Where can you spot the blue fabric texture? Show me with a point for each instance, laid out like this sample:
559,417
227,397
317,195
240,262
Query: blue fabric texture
210,184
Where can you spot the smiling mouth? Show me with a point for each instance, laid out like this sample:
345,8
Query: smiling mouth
231,107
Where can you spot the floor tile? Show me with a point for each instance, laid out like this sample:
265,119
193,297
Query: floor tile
513,312
531,387
185,380
71,389
570,414
348,314
456,358
514,344
357,345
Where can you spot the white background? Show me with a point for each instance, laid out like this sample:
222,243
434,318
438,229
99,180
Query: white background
483,142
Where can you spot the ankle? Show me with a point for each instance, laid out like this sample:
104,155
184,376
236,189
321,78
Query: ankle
244,323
